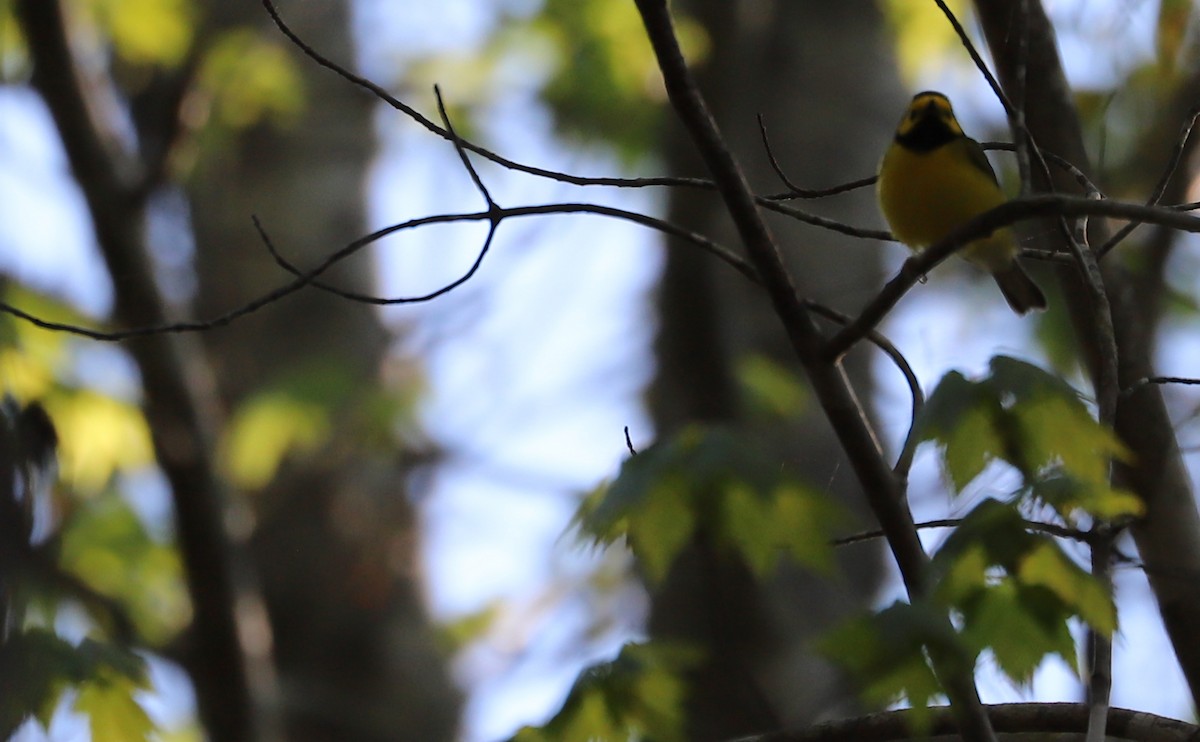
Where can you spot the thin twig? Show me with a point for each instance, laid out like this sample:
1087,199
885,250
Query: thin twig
1184,380
904,460
1007,213
459,147
1052,529
1080,177
496,215
555,175
1100,646
795,191
823,222
881,486
1172,165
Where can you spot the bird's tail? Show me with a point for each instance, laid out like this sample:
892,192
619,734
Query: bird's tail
1019,290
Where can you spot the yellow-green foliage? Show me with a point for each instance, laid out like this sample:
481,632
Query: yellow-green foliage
249,78
145,31
1035,422
720,482
637,696
924,40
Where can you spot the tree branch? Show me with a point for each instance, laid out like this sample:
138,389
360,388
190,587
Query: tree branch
1007,213
112,183
1167,536
1008,718
880,484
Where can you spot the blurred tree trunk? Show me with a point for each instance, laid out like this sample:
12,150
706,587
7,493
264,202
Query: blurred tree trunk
821,76
334,536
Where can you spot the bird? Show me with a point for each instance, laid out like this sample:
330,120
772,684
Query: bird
933,179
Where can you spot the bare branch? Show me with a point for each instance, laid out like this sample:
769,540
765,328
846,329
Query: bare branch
795,191
112,181
904,460
881,486
1008,718
462,153
1184,380
1007,213
1052,529
1172,165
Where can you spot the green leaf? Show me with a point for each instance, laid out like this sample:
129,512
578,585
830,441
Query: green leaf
747,521
1034,421
660,529
885,652
961,416
804,522
113,712
772,390
1059,430
713,480
790,519
1048,567
1016,591
639,695
457,633
107,546
1020,624
1068,495
1024,381
992,528
265,430
147,31
603,80
36,666
250,79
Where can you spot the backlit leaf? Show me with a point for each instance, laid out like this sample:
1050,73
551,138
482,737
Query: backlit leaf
147,31
99,436
660,529
113,712
1020,625
264,430
771,389
639,695
960,416
713,480
1046,566
885,653
36,666
106,545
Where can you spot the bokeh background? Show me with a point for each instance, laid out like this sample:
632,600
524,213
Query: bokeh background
399,483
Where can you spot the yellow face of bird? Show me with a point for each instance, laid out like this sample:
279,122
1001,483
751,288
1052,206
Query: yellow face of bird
928,123
933,179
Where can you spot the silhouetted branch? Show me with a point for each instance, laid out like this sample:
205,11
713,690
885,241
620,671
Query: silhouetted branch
1008,718
1172,165
1052,529
1007,213
904,460
112,180
795,191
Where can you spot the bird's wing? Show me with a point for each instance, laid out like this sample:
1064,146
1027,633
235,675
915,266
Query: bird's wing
979,159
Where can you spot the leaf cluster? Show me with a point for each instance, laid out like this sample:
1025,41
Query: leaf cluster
719,483
37,668
1035,422
1012,588
637,696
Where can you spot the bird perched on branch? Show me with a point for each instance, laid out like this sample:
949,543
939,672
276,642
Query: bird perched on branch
934,179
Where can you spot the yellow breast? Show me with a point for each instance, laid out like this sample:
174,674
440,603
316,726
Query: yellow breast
926,195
